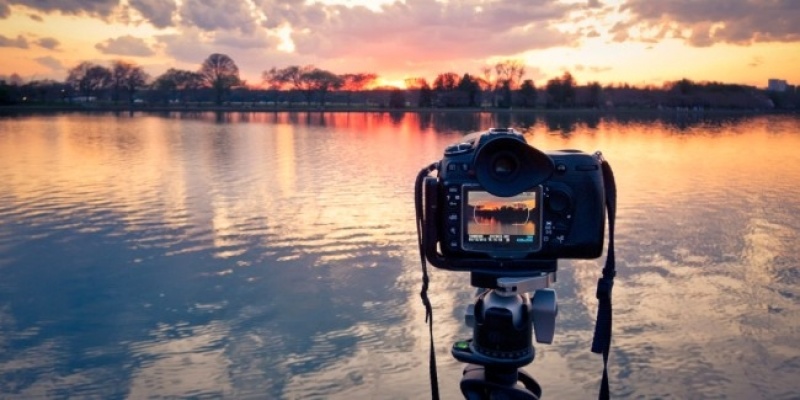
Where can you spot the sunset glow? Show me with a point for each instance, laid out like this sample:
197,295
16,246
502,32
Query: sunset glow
611,41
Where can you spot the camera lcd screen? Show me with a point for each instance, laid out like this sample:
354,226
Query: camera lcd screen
502,224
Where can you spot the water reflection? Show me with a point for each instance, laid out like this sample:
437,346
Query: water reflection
252,255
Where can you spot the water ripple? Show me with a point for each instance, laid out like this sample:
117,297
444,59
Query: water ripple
273,255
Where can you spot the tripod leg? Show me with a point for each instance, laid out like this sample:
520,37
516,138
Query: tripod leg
527,380
476,386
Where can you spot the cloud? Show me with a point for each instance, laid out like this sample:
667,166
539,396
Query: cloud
125,46
158,12
20,42
598,69
190,48
401,37
48,43
722,21
397,38
427,30
5,10
50,62
211,15
102,8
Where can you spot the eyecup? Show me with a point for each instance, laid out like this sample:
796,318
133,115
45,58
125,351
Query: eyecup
531,166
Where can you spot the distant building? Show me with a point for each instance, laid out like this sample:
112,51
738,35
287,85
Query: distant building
777,85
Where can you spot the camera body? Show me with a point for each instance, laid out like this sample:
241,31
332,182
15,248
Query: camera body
501,207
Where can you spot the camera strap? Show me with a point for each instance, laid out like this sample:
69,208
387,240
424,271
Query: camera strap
425,280
601,343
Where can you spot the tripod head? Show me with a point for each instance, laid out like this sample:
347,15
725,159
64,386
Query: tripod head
503,318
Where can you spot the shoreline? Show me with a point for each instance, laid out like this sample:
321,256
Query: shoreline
355,109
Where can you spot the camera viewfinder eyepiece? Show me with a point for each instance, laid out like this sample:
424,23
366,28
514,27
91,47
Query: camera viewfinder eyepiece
505,165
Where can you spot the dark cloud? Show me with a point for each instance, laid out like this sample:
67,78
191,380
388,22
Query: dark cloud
36,17
125,46
294,12
158,12
714,21
50,62
5,10
48,43
211,15
102,8
18,42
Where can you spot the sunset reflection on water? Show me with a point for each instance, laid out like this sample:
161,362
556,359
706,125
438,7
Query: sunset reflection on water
245,255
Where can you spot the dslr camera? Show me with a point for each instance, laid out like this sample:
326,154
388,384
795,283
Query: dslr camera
500,207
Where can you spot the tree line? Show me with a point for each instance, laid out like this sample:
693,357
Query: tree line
500,86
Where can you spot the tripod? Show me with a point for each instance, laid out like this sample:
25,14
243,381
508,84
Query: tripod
502,319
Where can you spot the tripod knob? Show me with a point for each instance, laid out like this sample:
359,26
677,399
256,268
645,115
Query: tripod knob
544,310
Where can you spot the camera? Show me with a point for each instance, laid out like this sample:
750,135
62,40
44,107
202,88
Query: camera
506,212
500,207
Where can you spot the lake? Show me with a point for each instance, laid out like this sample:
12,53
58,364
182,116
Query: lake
273,255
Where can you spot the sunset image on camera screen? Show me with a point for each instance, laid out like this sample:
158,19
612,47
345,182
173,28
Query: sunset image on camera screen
491,215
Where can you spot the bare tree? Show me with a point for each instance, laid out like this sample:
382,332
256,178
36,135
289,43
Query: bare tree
446,81
322,81
88,78
307,79
177,83
425,98
527,94
510,72
415,83
220,73
506,78
127,77
285,78
561,91
356,83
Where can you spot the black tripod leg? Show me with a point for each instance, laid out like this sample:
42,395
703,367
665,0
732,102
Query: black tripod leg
475,386
527,380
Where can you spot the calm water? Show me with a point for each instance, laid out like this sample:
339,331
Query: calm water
273,256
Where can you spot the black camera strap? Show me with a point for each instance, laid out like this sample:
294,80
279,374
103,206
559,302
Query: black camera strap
425,280
601,343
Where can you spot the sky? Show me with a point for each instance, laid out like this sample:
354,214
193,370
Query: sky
639,42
